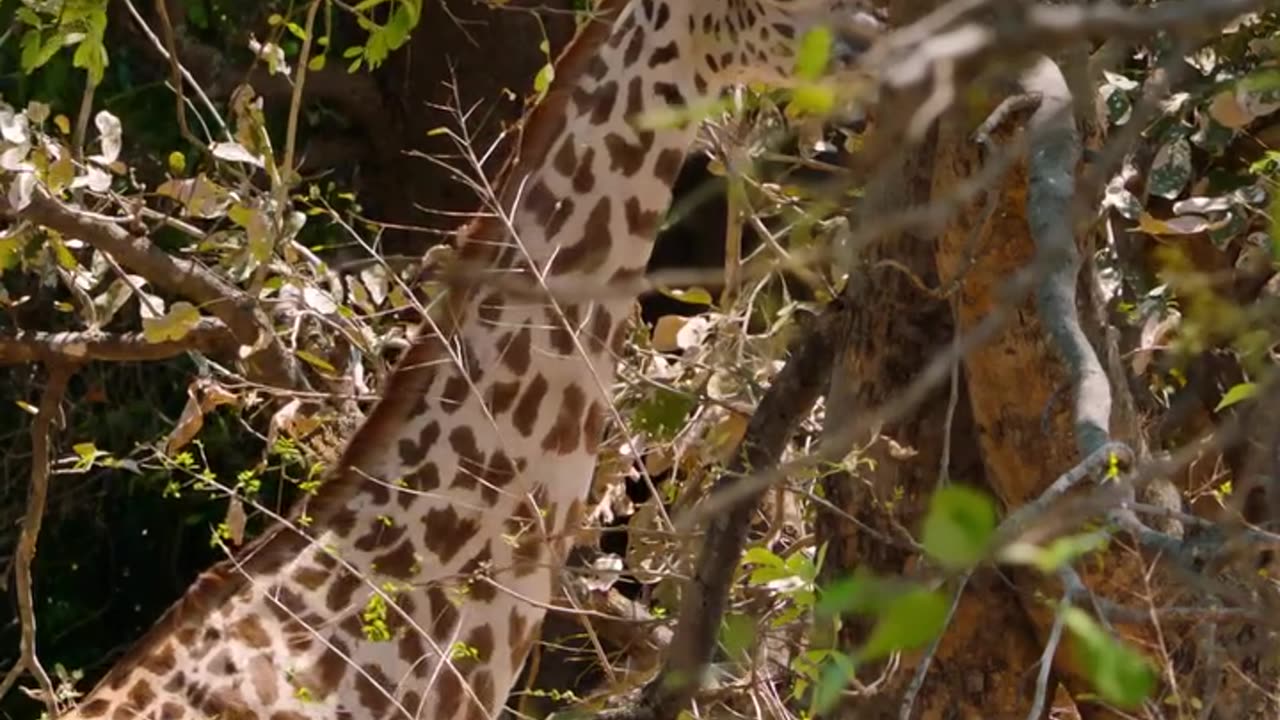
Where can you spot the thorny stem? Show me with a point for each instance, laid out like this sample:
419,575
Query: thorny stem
41,430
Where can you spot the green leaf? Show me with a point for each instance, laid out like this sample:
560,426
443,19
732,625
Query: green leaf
1059,553
316,361
737,634
861,592
761,555
959,526
1171,169
663,412
542,81
911,621
814,53
174,325
837,671
1238,393
1120,674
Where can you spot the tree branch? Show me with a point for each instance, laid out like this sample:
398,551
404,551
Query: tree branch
271,363
1051,167
797,387
209,336
41,430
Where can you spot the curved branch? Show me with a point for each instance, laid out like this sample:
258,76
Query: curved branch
41,430
271,363
1054,155
797,387
210,336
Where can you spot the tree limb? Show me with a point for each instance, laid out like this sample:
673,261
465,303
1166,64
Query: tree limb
797,387
41,430
271,364
210,336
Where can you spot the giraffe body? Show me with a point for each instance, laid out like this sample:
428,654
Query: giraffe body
421,584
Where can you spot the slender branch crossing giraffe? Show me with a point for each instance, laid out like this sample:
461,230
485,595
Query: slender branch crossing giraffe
438,533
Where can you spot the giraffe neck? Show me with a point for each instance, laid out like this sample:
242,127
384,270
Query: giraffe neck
420,586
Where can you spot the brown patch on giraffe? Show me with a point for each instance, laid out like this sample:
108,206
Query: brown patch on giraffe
568,533
162,661
413,703
210,637
483,687
626,158
667,166
423,480
448,532
449,693
520,650
584,178
413,453
443,613
664,54
640,223
592,249
526,557
517,624
597,68
141,695
539,201
593,425
401,563
380,536
412,650
490,309
566,158
558,334
341,591
263,679
480,588
310,578
171,711
373,688
502,395
343,520
250,631
322,678
601,324
94,708
288,715
455,393
632,55
227,703
325,559
222,664
564,435
670,94
517,353
479,639
176,684
526,412
635,98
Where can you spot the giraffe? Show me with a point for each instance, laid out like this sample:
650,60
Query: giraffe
419,585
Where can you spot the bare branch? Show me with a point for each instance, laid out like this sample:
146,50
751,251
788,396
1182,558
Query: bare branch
41,430
797,387
209,336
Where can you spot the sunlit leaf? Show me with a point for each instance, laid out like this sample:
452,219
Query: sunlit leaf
959,526
1120,674
1237,394
174,325
911,621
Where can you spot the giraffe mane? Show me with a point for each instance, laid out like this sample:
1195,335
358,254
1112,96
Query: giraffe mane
409,381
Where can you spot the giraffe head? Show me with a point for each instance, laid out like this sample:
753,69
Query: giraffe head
759,40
